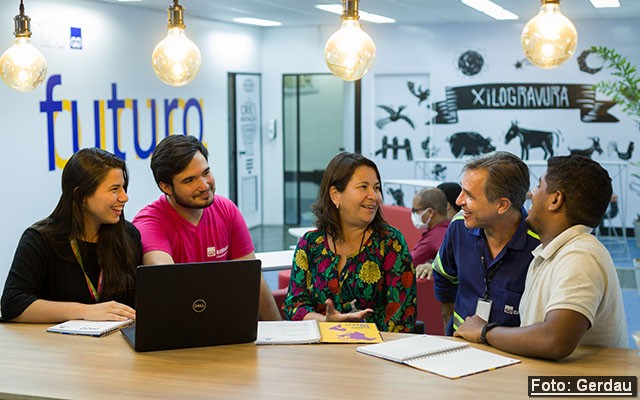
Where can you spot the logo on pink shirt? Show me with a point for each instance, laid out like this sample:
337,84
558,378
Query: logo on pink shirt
212,252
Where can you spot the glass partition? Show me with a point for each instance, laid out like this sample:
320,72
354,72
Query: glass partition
313,132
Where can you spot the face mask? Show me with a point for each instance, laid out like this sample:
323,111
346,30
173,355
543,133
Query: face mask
417,220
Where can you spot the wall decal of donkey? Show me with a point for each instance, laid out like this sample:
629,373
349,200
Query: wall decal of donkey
531,138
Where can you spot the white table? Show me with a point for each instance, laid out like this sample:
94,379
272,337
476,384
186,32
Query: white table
299,231
275,260
413,182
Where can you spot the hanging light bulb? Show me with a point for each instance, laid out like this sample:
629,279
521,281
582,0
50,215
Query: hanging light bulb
176,59
22,66
350,52
549,38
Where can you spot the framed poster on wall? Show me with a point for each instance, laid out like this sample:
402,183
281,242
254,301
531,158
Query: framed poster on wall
245,143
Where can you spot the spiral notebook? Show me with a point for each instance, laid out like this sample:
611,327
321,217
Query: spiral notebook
439,356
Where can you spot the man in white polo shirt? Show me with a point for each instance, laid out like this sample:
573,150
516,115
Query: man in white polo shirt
572,295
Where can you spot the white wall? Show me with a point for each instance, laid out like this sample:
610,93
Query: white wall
284,51
117,49
434,50
292,51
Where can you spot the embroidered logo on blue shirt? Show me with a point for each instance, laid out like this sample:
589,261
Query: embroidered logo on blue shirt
511,310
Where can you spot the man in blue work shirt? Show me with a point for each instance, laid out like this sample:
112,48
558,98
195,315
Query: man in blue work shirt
482,264
572,294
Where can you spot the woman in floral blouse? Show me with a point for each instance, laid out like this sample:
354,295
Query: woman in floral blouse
354,266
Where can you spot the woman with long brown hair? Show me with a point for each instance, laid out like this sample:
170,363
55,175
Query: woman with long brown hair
79,262
354,266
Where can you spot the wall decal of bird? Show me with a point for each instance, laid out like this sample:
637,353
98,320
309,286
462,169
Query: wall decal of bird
439,172
419,92
393,117
398,196
519,64
623,155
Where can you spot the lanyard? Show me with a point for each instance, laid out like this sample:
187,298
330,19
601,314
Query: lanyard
488,276
95,294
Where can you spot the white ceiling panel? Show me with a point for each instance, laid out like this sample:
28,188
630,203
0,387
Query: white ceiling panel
407,12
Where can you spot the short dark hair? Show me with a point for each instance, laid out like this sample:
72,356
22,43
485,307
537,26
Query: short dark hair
451,190
338,174
586,187
172,155
508,176
433,198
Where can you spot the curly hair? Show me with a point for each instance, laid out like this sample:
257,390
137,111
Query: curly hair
585,185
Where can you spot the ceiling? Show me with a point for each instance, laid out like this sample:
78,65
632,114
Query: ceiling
407,12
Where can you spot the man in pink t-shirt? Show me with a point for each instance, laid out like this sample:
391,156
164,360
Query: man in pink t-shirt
188,223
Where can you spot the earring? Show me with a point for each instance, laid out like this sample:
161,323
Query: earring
337,206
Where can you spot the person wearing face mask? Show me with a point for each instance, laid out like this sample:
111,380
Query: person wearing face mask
429,214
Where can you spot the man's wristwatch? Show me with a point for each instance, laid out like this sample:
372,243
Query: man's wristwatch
486,328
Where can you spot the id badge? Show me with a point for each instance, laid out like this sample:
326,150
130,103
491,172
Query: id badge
483,309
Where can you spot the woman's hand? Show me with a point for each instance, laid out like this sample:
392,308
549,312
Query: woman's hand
108,311
424,271
334,316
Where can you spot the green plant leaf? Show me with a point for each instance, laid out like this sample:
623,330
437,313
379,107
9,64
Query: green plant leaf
626,89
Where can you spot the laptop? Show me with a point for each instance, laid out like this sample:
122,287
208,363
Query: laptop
195,304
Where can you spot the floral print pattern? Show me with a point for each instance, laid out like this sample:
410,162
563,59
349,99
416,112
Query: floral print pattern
381,277
370,273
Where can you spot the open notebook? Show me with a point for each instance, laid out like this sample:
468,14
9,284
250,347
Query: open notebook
437,355
311,331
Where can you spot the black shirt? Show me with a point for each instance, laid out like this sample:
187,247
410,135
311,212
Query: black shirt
44,271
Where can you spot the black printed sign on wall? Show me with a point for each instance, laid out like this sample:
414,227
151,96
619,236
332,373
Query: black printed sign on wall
523,96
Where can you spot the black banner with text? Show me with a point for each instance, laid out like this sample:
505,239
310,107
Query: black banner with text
523,96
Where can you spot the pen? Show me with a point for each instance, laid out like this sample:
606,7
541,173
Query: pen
354,308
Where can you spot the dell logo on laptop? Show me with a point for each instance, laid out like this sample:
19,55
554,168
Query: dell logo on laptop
199,305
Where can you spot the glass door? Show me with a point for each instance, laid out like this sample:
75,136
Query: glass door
314,130
246,145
